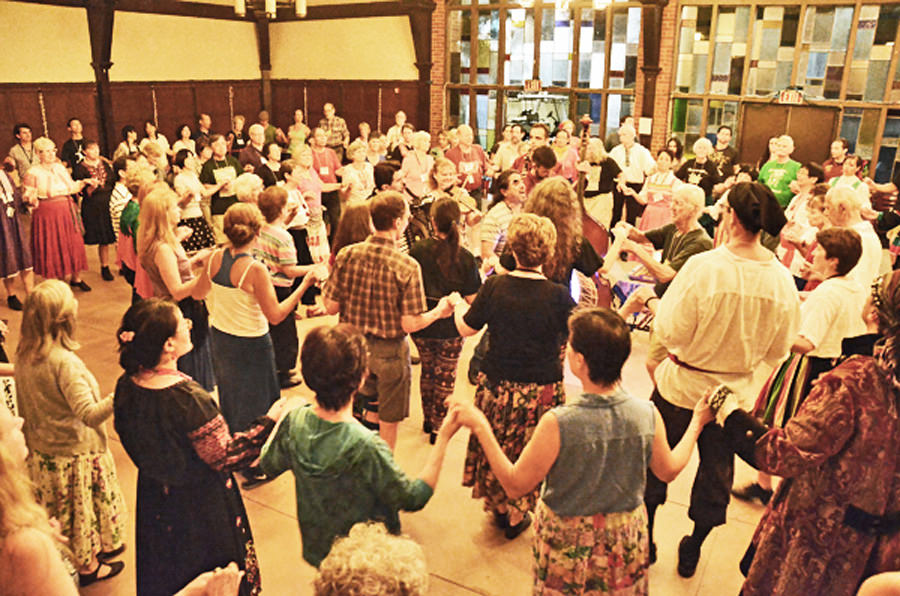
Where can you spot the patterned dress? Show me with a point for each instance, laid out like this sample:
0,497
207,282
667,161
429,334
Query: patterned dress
839,453
15,253
190,515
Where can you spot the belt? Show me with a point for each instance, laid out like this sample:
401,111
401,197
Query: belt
872,525
683,364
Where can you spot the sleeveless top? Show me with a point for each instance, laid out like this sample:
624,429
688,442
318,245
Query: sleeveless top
604,451
148,262
233,310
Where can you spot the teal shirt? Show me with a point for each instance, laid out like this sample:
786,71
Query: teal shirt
778,177
343,474
128,221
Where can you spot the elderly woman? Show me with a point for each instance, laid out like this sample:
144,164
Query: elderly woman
834,519
243,304
190,516
700,169
247,187
417,165
14,247
343,473
745,280
591,457
70,462
521,375
357,177
56,242
171,275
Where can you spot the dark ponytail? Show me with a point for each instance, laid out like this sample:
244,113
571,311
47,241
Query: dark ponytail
144,330
445,213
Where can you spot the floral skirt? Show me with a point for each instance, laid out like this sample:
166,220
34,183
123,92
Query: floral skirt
513,411
591,555
82,492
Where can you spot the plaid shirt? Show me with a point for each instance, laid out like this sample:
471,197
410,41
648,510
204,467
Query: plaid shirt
376,284
336,130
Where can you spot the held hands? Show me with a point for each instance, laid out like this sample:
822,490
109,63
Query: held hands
320,273
449,427
444,307
468,415
703,414
584,167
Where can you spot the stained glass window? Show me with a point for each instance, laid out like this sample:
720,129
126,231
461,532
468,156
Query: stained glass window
823,48
519,46
556,47
488,45
626,36
730,50
693,48
772,53
459,40
875,35
592,50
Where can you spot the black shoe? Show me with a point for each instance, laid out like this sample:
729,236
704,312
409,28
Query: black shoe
288,381
106,556
432,437
106,274
501,520
13,302
115,568
254,477
652,554
426,427
512,532
80,285
688,557
753,492
415,360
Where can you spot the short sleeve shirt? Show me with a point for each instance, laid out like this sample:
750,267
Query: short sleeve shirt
495,225
375,285
778,177
275,249
463,278
677,248
471,165
215,172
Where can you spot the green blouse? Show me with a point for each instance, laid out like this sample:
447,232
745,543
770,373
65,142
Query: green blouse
343,474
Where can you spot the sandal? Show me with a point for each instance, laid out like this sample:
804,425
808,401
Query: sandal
115,568
107,555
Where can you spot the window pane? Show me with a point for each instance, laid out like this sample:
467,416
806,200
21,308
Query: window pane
519,46
887,154
591,104
693,49
826,33
626,36
485,117
872,52
459,36
529,108
858,126
721,113
618,107
592,49
772,54
730,50
687,116
488,45
895,88
457,107
556,47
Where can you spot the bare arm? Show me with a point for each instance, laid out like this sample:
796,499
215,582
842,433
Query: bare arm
412,323
533,465
432,469
168,270
262,289
660,271
461,325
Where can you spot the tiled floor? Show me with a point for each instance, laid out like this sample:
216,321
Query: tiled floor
466,554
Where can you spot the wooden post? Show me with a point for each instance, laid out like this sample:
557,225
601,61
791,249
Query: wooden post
265,60
420,22
100,27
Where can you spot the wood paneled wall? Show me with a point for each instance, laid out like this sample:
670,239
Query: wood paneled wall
355,101
179,102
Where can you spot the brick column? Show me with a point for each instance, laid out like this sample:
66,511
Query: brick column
438,68
666,78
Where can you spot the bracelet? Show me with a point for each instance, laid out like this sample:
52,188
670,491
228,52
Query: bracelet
718,397
647,301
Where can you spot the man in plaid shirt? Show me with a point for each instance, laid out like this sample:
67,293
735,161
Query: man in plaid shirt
379,290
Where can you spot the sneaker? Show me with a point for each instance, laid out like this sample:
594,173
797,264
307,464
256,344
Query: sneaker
106,274
13,302
753,492
688,557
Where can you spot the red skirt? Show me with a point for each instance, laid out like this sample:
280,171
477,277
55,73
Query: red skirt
56,242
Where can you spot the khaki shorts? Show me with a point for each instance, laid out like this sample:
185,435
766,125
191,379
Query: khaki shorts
656,351
389,378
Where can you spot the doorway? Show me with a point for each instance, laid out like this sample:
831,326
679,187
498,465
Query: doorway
812,128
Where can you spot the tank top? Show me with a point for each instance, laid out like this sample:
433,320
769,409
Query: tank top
233,310
148,262
604,451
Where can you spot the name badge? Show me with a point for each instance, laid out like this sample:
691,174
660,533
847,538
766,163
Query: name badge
323,171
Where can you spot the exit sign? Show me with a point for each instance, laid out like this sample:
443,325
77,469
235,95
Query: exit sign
532,85
790,96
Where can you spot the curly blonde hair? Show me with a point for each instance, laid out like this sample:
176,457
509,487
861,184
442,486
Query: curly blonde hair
531,238
371,562
554,199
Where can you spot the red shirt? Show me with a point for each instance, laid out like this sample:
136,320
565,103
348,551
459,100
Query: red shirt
470,164
326,163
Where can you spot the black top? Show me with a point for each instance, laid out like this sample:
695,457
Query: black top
527,322
72,152
396,154
725,160
464,278
587,261
677,248
705,175
209,175
269,177
606,182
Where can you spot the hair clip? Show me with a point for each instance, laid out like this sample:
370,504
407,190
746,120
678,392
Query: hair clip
126,336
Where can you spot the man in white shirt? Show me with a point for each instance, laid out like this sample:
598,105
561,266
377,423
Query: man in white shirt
636,162
727,311
843,209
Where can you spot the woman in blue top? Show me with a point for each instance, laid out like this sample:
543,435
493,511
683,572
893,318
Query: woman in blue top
592,455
